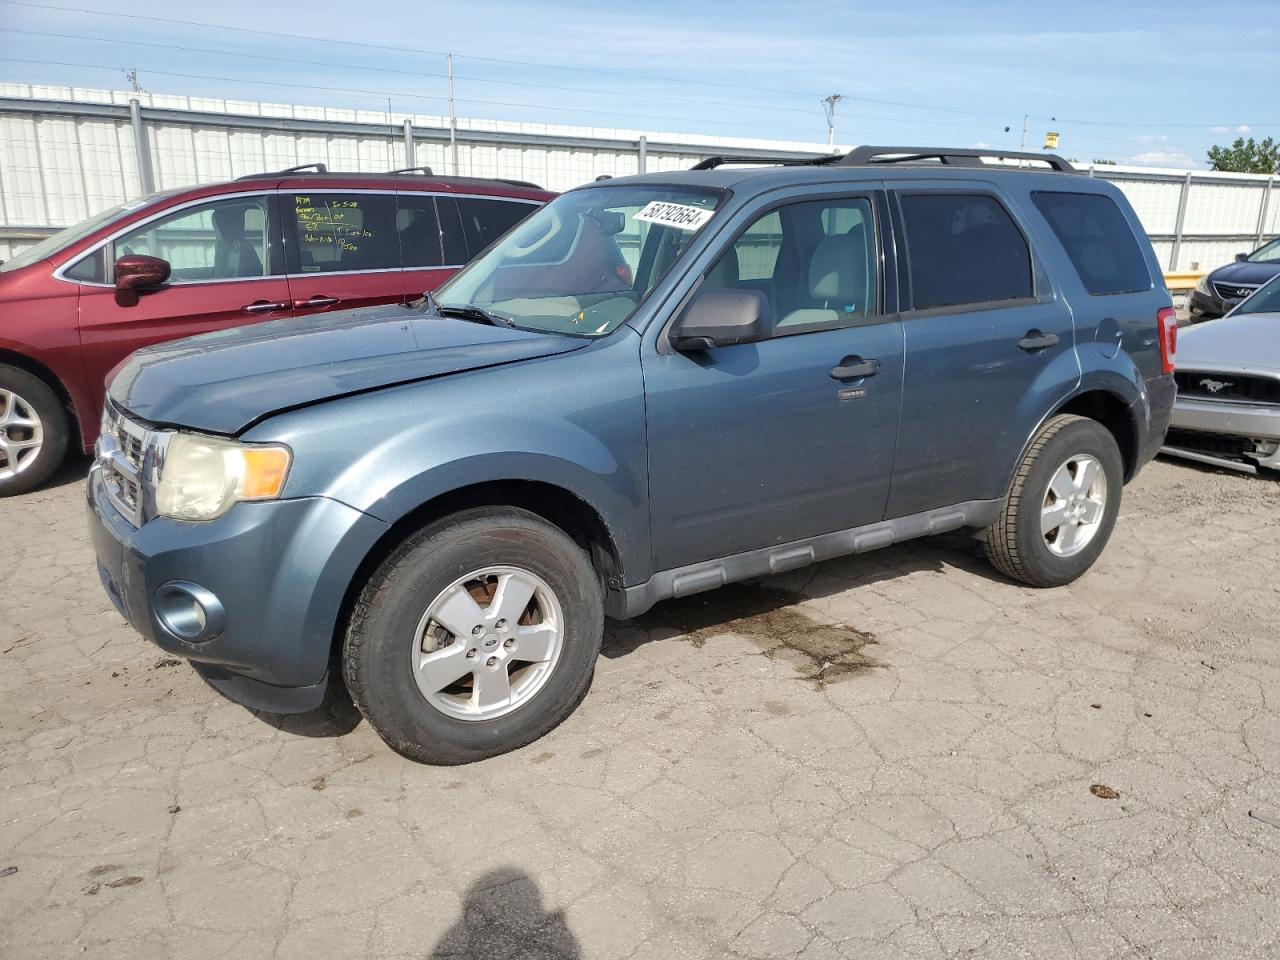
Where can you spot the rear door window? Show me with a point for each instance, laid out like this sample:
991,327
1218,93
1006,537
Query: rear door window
1098,240
418,228
484,221
342,232
963,249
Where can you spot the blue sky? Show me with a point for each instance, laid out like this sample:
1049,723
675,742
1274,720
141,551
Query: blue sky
1135,82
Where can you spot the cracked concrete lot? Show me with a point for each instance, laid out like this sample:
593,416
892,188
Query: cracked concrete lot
898,755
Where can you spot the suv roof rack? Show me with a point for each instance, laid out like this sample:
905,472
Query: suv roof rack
710,163
300,168
867,156
320,169
952,156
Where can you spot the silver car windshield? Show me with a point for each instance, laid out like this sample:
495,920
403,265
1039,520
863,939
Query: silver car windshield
584,262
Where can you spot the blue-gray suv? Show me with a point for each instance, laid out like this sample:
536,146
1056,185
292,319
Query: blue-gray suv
653,386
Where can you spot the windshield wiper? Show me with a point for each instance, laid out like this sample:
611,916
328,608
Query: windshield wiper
470,312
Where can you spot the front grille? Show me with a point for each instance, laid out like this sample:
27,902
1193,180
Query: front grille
122,451
1229,387
1221,445
1234,291
125,490
131,447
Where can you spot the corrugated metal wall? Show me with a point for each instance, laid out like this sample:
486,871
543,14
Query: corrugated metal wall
60,165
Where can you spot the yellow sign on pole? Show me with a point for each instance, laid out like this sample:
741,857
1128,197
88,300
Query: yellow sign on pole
1051,141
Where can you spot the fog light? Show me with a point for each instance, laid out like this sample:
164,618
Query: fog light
189,612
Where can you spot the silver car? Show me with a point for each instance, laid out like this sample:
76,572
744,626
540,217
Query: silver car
1228,407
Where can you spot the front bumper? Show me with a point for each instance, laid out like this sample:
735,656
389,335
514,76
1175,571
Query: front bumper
1206,425
280,571
1208,306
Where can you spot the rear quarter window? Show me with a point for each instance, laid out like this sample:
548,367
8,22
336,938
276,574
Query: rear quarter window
1098,240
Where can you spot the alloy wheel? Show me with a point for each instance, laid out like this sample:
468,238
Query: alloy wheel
1074,505
488,643
21,434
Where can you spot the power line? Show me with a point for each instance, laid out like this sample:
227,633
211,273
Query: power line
411,73
488,80
682,81
973,127
402,95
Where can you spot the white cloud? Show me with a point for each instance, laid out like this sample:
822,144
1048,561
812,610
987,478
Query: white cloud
980,145
1219,129
1163,158
1244,128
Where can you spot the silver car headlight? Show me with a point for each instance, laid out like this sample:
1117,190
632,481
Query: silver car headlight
201,477
1202,285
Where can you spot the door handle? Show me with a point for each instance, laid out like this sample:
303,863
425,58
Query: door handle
319,300
265,306
1035,340
853,368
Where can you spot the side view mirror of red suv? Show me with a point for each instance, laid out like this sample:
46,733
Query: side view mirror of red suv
137,272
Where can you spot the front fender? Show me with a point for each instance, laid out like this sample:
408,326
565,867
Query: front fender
575,421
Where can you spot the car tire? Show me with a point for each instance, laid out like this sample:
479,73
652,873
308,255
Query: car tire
465,570
34,431
1072,476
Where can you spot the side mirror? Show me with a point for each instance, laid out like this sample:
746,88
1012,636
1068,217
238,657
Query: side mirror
136,272
721,318
1241,257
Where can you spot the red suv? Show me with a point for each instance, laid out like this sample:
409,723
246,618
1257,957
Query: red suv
294,243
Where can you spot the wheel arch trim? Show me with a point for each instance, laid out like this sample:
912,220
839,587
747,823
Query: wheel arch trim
77,406
1112,389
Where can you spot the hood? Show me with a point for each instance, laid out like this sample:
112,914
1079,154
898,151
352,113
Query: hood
1245,272
1243,342
224,381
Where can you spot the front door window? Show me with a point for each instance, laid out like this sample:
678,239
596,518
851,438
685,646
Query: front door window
221,240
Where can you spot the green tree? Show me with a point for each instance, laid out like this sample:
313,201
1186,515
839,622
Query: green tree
1247,156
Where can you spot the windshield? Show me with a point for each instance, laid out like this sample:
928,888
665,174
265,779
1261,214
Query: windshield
583,263
1267,253
1266,299
64,238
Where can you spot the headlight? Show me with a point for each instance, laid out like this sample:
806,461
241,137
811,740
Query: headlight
1202,285
201,477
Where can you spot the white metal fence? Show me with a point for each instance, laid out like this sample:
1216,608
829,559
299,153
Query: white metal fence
66,153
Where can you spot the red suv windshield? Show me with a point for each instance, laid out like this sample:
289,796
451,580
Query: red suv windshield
65,238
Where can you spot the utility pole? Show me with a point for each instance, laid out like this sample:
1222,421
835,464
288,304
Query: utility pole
1022,144
453,122
829,108
132,77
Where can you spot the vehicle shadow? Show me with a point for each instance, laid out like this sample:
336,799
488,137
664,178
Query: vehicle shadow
73,470
503,916
760,609
765,602
336,716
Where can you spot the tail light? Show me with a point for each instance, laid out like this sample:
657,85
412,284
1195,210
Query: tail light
624,273
1167,328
